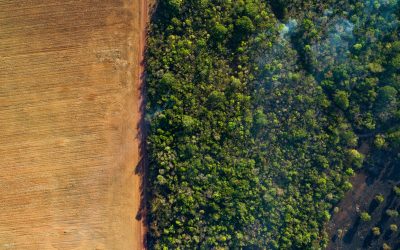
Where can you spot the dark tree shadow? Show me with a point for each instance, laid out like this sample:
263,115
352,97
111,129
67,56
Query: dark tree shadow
348,237
334,238
387,235
142,168
368,240
372,206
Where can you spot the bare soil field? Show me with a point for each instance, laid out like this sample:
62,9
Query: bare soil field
70,110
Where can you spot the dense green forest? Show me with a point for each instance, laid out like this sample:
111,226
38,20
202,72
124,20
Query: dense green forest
257,110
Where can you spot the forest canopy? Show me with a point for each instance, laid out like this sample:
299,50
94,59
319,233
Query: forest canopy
256,112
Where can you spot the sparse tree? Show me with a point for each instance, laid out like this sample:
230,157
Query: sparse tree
385,246
364,216
376,231
379,198
396,190
392,213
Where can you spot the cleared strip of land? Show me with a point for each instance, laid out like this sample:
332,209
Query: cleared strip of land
69,124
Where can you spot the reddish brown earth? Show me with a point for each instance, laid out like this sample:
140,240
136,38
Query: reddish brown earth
70,108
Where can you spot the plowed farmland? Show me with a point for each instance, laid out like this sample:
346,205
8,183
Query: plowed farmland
69,124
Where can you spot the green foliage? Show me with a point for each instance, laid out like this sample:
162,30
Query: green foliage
385,246
364,216
396,190
379,141
396,61
379,198
376,231
260,119
375,68
355,158
394,139
220,31
244,26
386,103
175,4
392,213
342,99
255,110
205,186
357,46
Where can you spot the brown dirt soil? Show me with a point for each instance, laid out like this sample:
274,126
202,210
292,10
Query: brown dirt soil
70,108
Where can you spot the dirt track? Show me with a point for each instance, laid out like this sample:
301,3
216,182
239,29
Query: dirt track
69,114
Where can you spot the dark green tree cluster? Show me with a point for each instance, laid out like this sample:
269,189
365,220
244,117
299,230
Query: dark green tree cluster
205,186
256,109
352,51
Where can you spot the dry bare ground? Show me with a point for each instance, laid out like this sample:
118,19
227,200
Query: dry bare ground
69,124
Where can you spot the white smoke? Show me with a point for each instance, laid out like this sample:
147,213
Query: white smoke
288,28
